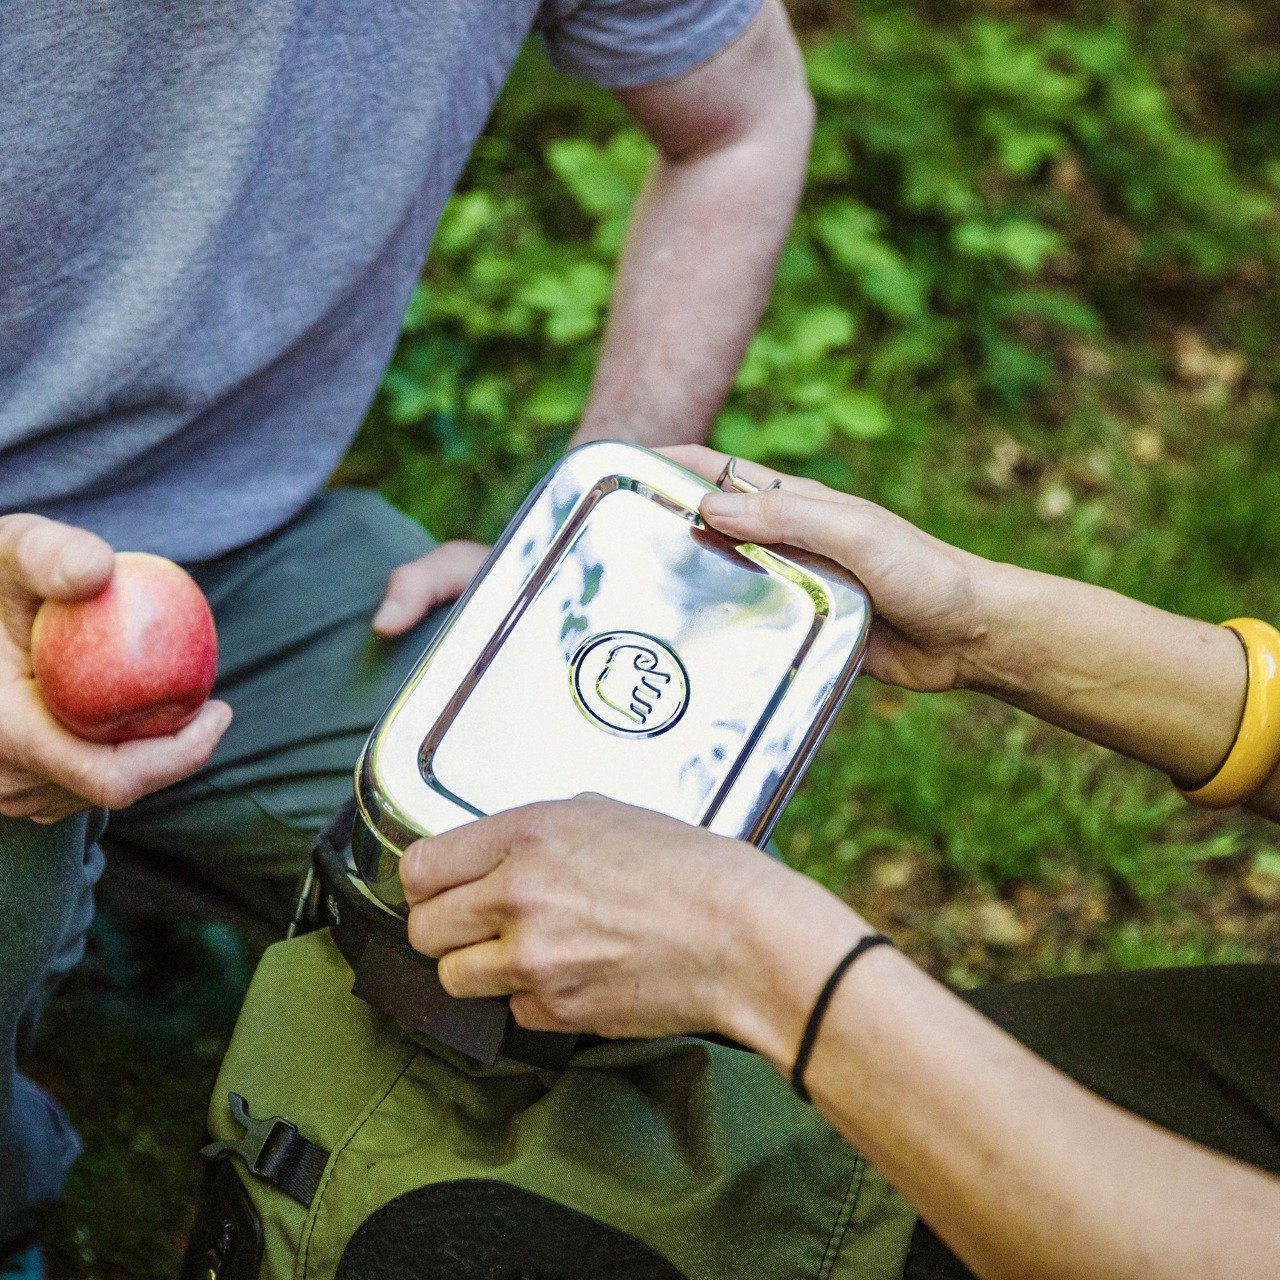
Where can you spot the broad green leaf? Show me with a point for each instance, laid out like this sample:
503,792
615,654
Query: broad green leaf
1022,150
464,220
817,331
488,398
835,69
419,309
798,264
1018,242
795,434
765,356
860,415
604,180
556,402
573,300
851,234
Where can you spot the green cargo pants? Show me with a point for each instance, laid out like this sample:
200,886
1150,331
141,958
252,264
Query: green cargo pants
306,677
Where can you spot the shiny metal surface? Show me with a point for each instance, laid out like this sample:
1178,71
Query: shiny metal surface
614,643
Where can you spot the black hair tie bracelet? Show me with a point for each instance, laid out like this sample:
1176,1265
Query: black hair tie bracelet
814,1025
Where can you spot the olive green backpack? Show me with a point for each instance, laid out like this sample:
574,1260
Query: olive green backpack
345,1148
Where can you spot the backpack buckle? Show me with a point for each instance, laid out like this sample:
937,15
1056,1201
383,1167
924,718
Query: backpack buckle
258,1134
274,1150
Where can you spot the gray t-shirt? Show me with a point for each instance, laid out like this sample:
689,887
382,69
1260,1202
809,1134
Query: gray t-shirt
212,214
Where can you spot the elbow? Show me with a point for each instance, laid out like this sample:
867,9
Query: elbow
805,112
786,126
788,136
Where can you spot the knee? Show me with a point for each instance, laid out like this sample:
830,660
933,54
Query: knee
47,875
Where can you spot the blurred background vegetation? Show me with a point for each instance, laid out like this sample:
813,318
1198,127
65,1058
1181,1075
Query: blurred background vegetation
1030,303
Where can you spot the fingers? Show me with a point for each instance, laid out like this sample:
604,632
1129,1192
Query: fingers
456,918
50,561
414,589
155,763
430,866
533,1015
710,464
486,969
114,777
829,528
496,968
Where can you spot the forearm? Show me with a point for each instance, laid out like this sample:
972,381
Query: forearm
1021,1171
1160,688
693,280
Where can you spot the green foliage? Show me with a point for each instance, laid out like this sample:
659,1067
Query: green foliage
992,799
985,196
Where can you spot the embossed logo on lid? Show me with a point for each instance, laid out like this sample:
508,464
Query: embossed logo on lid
629,683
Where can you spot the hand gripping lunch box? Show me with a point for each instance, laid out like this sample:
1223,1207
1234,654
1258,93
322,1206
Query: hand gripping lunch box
614,643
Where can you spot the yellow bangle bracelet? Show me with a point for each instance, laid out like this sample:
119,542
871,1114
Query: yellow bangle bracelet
1256,751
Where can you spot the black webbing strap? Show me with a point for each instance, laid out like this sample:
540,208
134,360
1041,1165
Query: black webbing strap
275,1151
393,977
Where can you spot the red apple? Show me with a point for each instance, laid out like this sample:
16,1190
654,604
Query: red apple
135,661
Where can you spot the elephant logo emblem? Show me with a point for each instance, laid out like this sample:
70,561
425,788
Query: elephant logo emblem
629,683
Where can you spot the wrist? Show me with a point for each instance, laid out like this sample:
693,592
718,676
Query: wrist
992,660
786,934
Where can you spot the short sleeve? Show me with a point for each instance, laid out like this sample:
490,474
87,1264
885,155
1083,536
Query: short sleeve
622,44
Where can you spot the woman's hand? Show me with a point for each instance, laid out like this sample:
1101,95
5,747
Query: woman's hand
600,917
926,594
1160,688
595,916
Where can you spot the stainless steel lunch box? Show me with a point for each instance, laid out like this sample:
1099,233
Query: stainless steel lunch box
614,643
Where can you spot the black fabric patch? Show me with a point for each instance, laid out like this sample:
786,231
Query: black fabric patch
479,1229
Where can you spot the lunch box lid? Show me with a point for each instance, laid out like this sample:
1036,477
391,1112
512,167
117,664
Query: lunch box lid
614,643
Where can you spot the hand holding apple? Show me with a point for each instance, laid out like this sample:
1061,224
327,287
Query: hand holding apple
47,772
137,660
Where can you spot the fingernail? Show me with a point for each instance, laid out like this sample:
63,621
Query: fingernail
411,863
80,560
725,504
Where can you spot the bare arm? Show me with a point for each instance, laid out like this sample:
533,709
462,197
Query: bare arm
581,909
733,139
1160,688
1154,686
1163,689
1023,1172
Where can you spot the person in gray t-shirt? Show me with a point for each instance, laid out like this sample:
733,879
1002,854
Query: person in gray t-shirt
212,215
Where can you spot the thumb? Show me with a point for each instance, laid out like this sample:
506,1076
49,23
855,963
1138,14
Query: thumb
46,560
414,589
774,516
